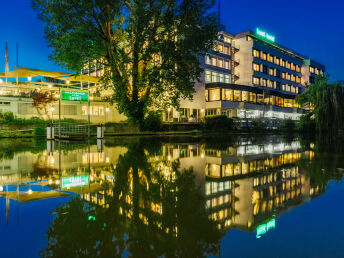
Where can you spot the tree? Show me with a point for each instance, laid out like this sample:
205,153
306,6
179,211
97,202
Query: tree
327,106
149,49
42,100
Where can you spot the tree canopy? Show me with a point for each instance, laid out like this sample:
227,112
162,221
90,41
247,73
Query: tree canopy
149,49
326,105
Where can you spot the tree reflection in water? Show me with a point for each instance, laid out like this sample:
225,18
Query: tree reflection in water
148,212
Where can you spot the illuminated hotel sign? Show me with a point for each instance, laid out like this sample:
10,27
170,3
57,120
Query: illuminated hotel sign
264,228
265,35
74,95
74,181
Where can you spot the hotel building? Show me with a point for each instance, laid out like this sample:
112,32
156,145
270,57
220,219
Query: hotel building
249,75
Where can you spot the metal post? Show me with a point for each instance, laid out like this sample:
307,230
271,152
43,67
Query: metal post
60,113
89,110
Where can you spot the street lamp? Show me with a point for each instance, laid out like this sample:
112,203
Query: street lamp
106,111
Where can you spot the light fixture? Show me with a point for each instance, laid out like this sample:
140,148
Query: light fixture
202,110
29,192
67,82
1,81
107,109
91,98
50,86
169,109
29,79
57,96
52,109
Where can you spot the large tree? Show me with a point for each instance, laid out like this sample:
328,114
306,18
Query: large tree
326,105
150,48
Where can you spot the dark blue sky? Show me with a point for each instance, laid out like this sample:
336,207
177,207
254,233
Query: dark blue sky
311,27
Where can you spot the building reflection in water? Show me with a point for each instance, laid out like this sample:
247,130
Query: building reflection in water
245,185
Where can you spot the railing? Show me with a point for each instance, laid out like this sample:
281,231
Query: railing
71,129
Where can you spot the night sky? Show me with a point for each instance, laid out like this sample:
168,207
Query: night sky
310,27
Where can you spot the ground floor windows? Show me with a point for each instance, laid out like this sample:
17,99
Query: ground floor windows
251,97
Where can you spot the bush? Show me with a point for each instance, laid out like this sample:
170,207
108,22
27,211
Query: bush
8,116
288,125
152,122
218,123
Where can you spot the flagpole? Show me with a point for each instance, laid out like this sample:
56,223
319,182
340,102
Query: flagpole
17,65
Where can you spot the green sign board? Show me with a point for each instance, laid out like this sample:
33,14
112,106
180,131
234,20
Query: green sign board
74,181
74,95
264,228
265,35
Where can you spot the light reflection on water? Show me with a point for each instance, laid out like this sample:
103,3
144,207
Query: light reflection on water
150,197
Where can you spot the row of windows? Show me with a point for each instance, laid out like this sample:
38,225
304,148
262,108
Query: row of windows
221,48
275,85
216,61
245,96
242,168
276,60
315,70
211,77
276,72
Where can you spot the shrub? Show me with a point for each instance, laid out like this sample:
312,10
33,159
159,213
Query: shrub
218,123
8,116
152,122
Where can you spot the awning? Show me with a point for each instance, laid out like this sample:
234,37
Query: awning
27,72
80,78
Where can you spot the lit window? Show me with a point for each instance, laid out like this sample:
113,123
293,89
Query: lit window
237,95
245,96
277,61
272,71
207,76
207,60
227,65
228,94
256,80
256,67
263,55
263,81
255,53
226,50
220,48
221,77
214,94
227,78
213,59
220,63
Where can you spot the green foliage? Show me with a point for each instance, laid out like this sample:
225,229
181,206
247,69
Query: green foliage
306,124
218,123
152,122
288,125
149,49
327,105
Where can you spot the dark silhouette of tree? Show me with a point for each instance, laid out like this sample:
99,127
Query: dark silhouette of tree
151,210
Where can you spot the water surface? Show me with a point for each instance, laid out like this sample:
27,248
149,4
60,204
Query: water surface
234,196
